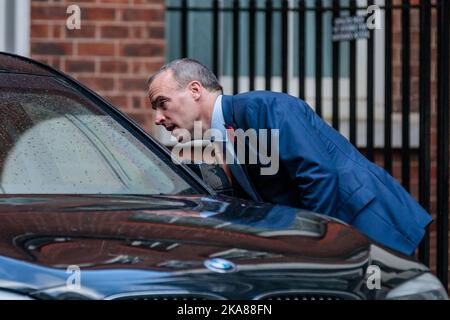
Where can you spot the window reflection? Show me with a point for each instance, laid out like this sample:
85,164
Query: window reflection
52,142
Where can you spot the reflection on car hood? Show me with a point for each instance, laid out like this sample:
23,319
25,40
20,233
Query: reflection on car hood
129,244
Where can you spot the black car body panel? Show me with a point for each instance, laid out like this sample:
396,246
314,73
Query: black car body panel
128,246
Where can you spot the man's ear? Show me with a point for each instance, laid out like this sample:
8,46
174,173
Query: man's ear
195,88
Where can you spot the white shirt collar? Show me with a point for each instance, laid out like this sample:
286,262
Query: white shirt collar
218,122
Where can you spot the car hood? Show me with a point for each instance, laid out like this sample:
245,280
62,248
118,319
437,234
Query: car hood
101,246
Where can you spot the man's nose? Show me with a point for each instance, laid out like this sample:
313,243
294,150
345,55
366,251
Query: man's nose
159,118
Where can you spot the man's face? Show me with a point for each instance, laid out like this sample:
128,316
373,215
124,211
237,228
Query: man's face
176,108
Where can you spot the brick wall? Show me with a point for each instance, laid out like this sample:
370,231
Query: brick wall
120,43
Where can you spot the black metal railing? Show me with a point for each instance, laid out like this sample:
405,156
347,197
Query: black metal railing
443,140
319,9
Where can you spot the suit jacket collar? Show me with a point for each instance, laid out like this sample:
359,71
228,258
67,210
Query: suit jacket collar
227,109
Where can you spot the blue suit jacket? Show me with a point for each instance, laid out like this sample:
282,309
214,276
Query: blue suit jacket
321,171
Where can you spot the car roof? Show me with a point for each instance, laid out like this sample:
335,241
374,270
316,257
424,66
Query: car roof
18,64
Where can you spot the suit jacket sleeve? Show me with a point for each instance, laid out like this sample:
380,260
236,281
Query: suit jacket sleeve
302,152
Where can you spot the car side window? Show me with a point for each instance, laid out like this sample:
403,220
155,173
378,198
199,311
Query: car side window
57,142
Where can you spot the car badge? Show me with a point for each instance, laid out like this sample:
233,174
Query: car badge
220,265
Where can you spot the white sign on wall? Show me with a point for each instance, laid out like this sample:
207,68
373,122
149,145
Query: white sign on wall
350,28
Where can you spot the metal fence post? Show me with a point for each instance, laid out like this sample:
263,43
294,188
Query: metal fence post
443,141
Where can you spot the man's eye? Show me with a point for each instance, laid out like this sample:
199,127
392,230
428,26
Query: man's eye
161,104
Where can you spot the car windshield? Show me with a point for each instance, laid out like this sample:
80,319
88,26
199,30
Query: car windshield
54,140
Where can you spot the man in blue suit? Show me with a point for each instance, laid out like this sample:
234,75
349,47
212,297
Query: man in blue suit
320,170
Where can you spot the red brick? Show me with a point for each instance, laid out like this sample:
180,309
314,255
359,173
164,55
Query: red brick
57,63
98,83
145,103
144,119
144,67
136,102
143,15
44,60
133,84
51,48
114,32
142,50
39,31
98,13
84,32
80,66
112,66
96,49
120,101
156,32
58,31
48,12
117,1
138,32
155,2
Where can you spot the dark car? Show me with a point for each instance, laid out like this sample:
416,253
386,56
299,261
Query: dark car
92,207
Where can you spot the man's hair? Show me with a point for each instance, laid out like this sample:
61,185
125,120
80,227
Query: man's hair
186,70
